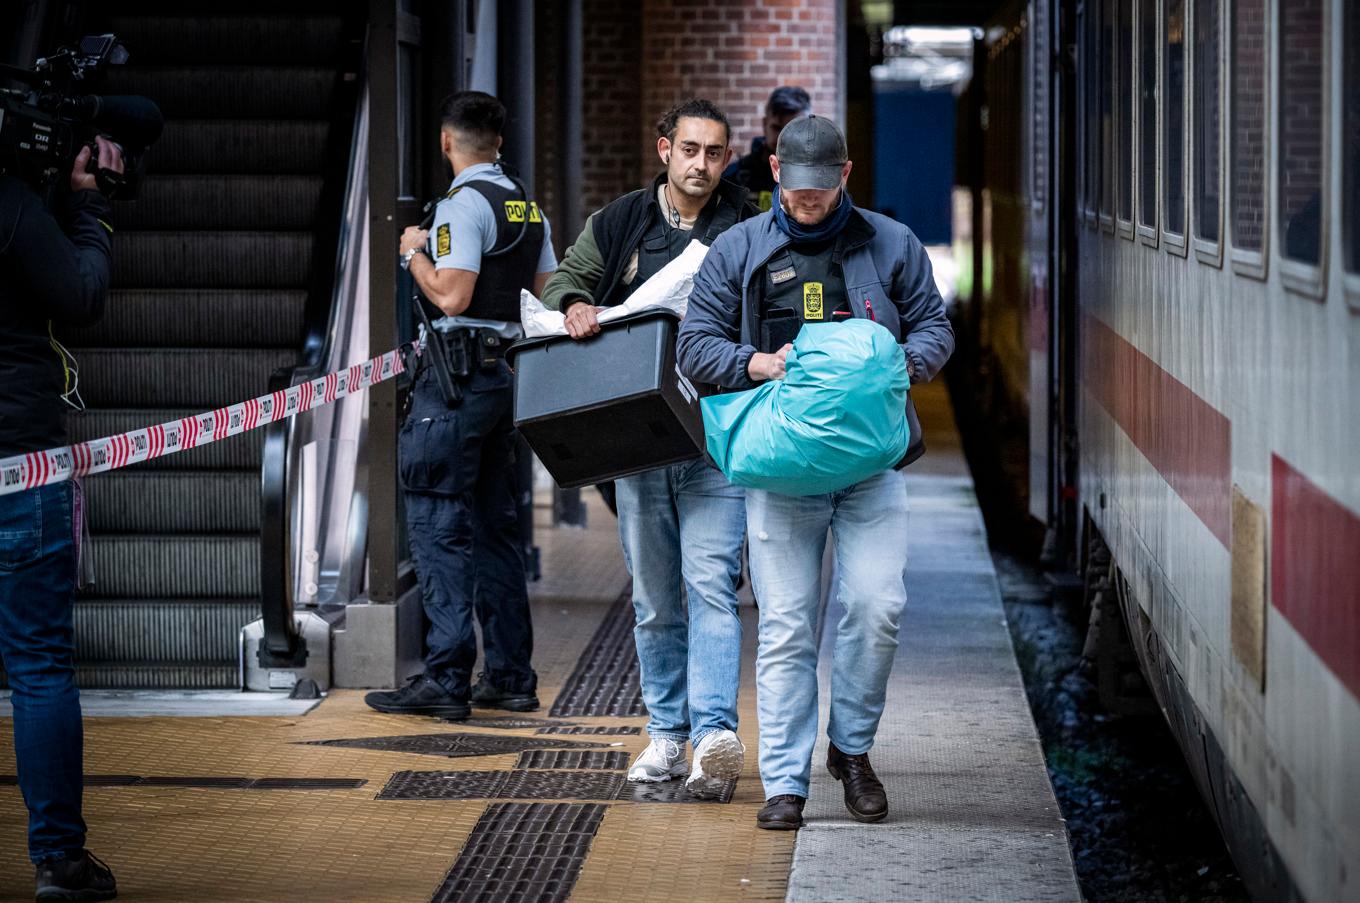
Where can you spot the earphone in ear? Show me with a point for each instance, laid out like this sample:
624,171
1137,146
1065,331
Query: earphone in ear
666,159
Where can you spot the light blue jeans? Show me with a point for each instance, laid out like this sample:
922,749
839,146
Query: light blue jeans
788,537
682,528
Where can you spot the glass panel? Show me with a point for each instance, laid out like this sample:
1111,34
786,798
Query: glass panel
1107,146
406,120
1300,119
1350,153
1249,124
1125,109
1207,115
1090,85
1039,63
1173,117
1147,112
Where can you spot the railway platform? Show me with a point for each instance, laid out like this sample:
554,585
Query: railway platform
217,797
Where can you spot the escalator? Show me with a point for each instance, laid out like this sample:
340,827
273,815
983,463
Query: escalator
224,270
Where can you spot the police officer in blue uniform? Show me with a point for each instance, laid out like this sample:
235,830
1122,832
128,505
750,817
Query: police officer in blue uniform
786,103
488,240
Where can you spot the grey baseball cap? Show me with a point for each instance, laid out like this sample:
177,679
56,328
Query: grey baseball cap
811,154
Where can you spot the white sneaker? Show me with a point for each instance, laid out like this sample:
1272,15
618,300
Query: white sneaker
717,759
662,760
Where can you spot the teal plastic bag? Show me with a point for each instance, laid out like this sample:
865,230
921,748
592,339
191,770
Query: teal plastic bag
837,417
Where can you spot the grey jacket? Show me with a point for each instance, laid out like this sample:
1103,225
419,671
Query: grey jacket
886,270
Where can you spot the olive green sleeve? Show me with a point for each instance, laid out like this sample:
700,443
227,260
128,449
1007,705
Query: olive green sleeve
578,274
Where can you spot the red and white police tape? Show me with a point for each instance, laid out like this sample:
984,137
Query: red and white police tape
40,468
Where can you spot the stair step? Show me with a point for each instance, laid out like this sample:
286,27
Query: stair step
169,566
287,39
184,632
345,8
210,92
257,146
171,377
241,452
216,259
174,501
159,676
183,317
223,202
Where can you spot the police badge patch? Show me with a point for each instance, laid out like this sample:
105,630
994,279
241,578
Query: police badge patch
442,241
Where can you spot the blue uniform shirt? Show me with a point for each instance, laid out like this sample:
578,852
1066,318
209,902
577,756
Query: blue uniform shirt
472,232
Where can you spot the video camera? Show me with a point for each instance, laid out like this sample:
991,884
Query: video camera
44,125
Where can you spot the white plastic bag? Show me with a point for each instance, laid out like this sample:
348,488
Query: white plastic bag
668,289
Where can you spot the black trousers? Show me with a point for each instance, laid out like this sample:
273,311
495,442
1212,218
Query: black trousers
457,468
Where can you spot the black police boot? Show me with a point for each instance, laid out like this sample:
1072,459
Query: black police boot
487,695
781,813
75,879
422,696
864,794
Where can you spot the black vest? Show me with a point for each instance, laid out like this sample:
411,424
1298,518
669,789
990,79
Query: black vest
661,243
808,281
513,262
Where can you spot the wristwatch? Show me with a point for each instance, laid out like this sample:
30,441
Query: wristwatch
406,258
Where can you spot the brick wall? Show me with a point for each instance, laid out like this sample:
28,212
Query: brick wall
734,53
640,59
612,96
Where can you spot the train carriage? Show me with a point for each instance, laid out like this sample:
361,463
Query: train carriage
1181,335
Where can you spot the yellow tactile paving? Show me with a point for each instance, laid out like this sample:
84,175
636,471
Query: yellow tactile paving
194,844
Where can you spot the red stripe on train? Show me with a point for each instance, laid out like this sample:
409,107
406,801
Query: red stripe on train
1315,569
1181,434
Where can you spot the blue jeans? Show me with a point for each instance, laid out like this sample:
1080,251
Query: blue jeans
788,537
682,527
37,588
457,467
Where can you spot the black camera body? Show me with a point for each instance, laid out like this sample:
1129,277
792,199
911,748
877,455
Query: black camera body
44,125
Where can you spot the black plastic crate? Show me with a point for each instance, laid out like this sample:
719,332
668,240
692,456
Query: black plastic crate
608,406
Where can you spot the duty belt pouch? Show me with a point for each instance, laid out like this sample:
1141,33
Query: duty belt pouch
457,351
490,349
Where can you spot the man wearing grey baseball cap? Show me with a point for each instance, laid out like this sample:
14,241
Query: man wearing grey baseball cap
815,259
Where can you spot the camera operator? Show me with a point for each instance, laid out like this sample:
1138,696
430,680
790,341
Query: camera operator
54,272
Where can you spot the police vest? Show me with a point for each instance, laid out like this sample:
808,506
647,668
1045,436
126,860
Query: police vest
512,263
805,282
661,243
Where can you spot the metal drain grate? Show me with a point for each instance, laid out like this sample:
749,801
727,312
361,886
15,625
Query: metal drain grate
212,783
592,730
503,785
537,785
571,758
455,746
522,851
504,724
606,680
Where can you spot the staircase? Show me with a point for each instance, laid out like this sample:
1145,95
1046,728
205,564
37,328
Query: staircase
219,267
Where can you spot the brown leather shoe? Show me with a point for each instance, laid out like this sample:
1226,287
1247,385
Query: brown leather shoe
864,793
781,813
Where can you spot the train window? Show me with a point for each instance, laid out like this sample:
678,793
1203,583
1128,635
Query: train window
1248,148
1147,112
1300,121
1207,112
1090,85
1108,155
1173,117
1350,153
1039,63
1124,207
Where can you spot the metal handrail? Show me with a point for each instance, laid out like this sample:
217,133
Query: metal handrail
307,545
